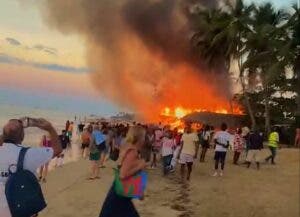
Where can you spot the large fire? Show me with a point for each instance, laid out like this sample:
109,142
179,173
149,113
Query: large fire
172,117
141,58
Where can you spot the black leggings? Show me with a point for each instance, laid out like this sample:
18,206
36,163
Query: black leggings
117,206
220,158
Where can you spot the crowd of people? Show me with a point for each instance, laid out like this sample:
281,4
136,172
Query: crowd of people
134,147
103,141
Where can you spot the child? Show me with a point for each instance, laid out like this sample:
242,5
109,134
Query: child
168,145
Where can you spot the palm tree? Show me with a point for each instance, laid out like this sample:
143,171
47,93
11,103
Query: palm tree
268,47
220,38
294,25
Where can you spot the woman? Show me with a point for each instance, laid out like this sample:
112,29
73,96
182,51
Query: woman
85,140
129,164
95,152
238,145
46,142
150,139
168,146
205,142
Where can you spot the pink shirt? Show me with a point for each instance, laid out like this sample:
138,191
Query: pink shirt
168,146
158,138
238,143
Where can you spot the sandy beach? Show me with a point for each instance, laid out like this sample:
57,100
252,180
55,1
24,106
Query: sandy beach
271,192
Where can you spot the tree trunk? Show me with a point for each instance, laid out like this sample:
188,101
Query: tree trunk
267,118
247,101
249,107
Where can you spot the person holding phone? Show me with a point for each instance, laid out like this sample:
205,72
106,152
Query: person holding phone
13,136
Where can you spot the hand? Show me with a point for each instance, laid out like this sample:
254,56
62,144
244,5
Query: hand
25,122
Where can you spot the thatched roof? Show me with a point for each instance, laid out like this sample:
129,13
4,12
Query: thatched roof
215,119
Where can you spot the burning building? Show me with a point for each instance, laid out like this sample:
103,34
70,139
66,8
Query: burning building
140,55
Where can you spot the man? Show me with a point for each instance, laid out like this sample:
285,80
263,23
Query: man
189,143
97,151
255,146
222,140
13,135
64,141
273,143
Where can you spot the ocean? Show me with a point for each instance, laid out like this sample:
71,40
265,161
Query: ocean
33,135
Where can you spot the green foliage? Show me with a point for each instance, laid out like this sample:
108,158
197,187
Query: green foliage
265,42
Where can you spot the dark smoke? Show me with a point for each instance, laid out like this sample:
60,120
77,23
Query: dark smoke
135,48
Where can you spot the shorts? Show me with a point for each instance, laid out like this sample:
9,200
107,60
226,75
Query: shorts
155,150
83,146
95,156
220,155
205,144
253,155
186,158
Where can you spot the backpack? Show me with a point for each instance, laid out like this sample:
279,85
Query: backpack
23,191
99,138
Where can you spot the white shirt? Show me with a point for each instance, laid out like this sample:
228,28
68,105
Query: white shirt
9,154
189,146
222,137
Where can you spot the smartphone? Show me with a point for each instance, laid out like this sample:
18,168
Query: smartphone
29,122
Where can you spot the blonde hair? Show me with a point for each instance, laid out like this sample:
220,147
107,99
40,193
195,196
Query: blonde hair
135,134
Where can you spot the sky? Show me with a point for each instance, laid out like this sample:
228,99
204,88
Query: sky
40,67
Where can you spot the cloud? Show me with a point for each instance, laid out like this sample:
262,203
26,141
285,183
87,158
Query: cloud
13,42
38,47
49,50
4,58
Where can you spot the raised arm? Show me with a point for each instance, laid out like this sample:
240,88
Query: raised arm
47,126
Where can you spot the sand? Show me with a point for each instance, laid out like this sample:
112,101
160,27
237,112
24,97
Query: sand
271,192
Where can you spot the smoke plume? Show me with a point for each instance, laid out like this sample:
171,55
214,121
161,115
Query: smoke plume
139,52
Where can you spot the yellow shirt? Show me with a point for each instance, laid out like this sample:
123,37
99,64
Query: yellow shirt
273,139
189,140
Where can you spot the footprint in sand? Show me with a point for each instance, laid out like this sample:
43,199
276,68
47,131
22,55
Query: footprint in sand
178,207
186,214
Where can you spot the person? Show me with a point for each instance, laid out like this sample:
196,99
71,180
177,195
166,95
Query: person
70,130
149,142
64,141
205,142
255,146
85,140
95,152
12,138
158,134
80,128
168,146
43,171
222,140
129,164
67,125
189,142
238,145
116,145
273,143
177,137
245,135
